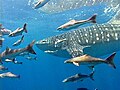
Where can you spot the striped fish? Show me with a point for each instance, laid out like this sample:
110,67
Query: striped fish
12,53
96,40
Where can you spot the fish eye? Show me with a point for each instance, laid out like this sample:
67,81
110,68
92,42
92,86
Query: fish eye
44,41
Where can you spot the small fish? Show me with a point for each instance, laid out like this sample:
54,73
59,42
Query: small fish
4,31
92,61
31,58
2,68
24,54
18,42
50,51
77,77
74,23
18,31
13,60
9,75
40,3
12,53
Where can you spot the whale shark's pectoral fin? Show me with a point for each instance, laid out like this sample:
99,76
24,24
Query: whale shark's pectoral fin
75,49
76,64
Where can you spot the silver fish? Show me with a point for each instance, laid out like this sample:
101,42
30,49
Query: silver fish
31,58
2,68
13,61
18,31
77,77
4,31
105,38
74,23
92,61
9,75
12,53
18,42
40,3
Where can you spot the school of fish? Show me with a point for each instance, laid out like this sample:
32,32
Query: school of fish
78,45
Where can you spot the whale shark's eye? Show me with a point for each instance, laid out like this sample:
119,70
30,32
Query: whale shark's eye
44,41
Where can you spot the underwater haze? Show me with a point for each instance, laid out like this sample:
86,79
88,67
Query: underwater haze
48,72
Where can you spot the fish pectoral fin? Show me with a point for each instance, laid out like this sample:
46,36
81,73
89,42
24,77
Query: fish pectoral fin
81,80
76,64
72,20
91,67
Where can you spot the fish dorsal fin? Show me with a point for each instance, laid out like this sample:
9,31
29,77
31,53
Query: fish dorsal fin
78,74
76,64
86,55
18,28
8,73
72,20
91,67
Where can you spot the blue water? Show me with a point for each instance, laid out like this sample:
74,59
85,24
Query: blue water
48,71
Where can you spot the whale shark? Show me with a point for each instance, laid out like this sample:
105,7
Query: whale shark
57,6
96,40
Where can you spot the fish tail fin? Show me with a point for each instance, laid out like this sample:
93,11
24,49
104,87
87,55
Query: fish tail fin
29,47
14,59
110,59
93,18
24,27
22,38
18,76
91,75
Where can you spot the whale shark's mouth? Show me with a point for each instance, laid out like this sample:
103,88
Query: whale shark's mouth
44,45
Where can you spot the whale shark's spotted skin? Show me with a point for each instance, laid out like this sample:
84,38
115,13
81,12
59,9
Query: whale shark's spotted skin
96,40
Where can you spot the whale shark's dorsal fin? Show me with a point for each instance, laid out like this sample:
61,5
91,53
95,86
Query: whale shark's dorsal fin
115,22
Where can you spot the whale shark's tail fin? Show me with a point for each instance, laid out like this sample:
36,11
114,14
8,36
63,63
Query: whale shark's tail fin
93,18
110,59
24,27
29,47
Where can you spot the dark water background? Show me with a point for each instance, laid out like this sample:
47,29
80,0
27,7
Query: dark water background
48,71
